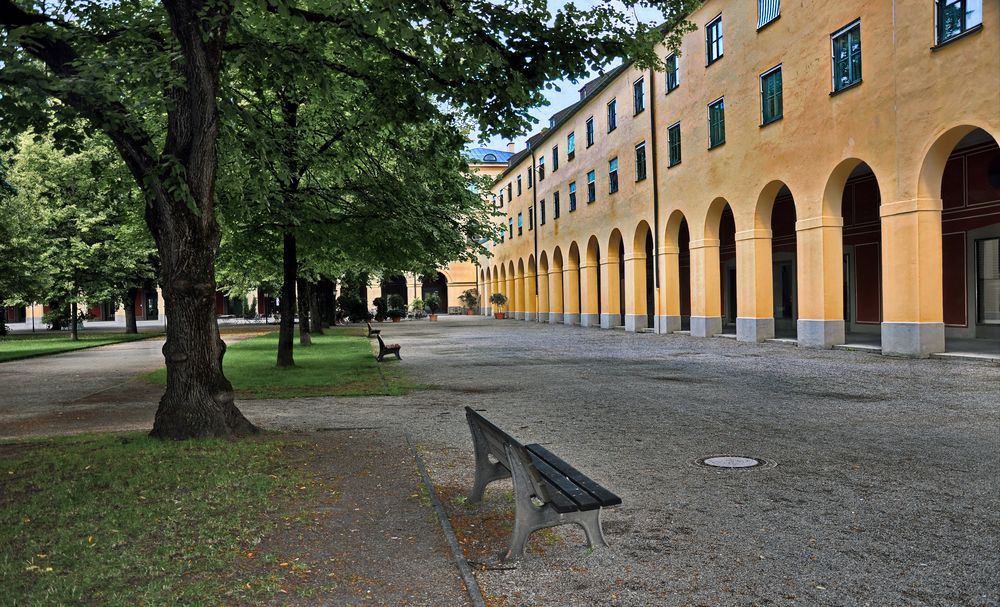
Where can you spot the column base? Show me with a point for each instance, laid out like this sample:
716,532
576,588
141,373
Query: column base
529,316
610,320
754,330
916,339
571,319
590,320
820,334
706,326
518,315
668,324
635,322
555,318
542,317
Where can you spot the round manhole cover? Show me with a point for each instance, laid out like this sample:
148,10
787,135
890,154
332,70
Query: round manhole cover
730,461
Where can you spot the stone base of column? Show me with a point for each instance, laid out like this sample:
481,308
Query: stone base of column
542,317
590,320
820,334
667,324
917,339
610,320
754,329
555,318
571,319
635,322
529,316
706,326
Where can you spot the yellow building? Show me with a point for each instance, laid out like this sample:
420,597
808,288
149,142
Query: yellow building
822,171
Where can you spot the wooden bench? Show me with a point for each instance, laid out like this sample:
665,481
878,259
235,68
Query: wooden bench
372,332
384,349
547,490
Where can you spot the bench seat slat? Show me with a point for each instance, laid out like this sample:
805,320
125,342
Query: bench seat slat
603,496
580,497
559,500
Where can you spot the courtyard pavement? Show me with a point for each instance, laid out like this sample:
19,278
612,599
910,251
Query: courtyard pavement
886,488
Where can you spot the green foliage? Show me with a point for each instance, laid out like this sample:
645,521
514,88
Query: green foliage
381,307
353,307
396,313
433,302
469,298
396,301
498,299
417,305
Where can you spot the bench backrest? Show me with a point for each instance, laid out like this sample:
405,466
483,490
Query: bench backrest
381,344
495,439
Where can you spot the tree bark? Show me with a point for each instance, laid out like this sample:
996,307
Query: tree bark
130,324
73,333
305,339
315,319
286,331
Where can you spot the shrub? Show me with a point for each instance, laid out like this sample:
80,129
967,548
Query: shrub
498,299
353,307
433,302
396,302
395,313
381,308
469,298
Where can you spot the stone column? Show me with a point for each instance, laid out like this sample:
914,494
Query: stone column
518,297
635,293
589,295
530,296
544,306
670,290
555,296
755,302
611,300
706,289
820,281
571,303
912,291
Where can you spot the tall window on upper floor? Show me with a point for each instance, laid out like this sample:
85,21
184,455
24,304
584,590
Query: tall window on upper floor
955,17
847,56
674,144
555,205
518,185
591,186
510,227
541,212
570,146
770,96
640,161
572,196
531,218
509,195
531,173
713,40
612,115
716,123
673,72
613,176
767,11
555,158
638,101
501,196
590,131
541,168
520,224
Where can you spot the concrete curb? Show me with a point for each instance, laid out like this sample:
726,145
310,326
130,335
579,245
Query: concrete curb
475,595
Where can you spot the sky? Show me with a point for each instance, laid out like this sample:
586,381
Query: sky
569,92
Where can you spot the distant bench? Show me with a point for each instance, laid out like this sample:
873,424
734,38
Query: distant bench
384,349
372,332
547,490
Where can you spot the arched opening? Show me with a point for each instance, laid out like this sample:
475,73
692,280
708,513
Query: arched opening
970,234
544,298
684,273
557,290
727,270
530,289
393,285
676,275
485,290
501,287
862,239
435,284
572,287
640,302
590,286
613,276
517,288
774,249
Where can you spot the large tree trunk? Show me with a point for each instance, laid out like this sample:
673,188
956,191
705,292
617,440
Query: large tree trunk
286,331
74,334
315,319
305,339
130,325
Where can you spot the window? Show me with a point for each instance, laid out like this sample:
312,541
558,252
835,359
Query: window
612,115
988,281
637,100
490,158
501,196
713,40
520,225
590,131
673,74
510,226
955,17
767,11
674,144
770,96
613,176
555,205
640,161
541,212
518,185
570,146
531,218
716,123
541,168
555,158
592,186
847,56
572,196
509,195
531,174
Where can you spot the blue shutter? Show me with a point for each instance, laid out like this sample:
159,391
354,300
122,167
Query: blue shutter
767,11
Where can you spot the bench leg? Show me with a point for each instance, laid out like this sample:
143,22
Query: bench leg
486,471
398,357
379,357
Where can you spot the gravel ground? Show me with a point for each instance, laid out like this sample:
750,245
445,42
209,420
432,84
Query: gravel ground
885,489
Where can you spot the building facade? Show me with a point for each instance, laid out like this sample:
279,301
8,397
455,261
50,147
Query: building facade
825,172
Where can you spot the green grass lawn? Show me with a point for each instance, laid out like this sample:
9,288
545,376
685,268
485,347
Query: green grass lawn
339,363
122,519
14,347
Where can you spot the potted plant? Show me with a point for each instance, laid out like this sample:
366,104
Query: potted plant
395,314
433,303
499,300
471,299
381,308
417,308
